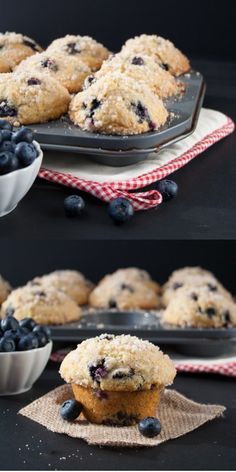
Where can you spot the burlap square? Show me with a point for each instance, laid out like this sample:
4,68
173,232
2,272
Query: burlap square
178,416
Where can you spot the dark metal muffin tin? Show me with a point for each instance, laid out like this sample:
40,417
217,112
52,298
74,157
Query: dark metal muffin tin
146,325
62,135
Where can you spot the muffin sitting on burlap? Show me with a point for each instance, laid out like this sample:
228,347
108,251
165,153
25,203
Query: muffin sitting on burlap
117,379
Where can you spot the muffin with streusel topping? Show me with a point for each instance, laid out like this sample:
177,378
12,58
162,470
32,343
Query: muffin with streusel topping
71,282
191,277
126,289
198,307
44,304
117,379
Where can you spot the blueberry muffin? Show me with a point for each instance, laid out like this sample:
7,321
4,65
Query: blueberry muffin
140,68
5,289
83,48
163,50
14,48
118,105
71,282
70,71
44,305
31,98
126,289
191,276
112,379
197,307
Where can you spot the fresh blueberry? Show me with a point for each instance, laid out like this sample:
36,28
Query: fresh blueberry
24,331
120,210
9,323
42,330
73,205
27,323
4,124
42,338
6,162
27,342
7,146
26,153
6,134
23,134
6,109
167,188
15,335
7,344
10,311
70,410
149,427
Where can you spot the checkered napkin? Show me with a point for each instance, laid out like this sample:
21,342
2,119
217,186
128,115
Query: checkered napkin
107,183
223,365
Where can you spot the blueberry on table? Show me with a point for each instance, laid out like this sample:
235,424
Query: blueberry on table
27,342
42,338
70,410
9,323
7,344
23,134
73,205
167,188
120,210
149,427
4,124
26,153
7,159
28,323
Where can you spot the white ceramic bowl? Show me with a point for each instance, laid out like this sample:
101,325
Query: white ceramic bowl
15,185
20,369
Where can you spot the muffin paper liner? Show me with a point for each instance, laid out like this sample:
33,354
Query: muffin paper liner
178,416
107,183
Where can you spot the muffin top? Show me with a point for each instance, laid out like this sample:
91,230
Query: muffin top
126,288
118,104
200,307
191,277
140,68
117,363
45,305
71,282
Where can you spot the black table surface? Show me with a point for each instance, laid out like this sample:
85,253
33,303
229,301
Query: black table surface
204,208
26,445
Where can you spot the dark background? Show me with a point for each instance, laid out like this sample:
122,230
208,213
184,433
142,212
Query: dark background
203,28
21,260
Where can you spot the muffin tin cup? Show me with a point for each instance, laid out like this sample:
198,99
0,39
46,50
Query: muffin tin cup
62,135
204,342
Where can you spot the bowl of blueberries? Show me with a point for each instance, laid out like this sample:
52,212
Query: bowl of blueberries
20,161
25,348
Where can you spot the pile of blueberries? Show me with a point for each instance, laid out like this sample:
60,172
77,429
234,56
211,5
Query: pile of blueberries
16,148
22,335
120,209
148,427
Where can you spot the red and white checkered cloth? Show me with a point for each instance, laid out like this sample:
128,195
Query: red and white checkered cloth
212,127
224,366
